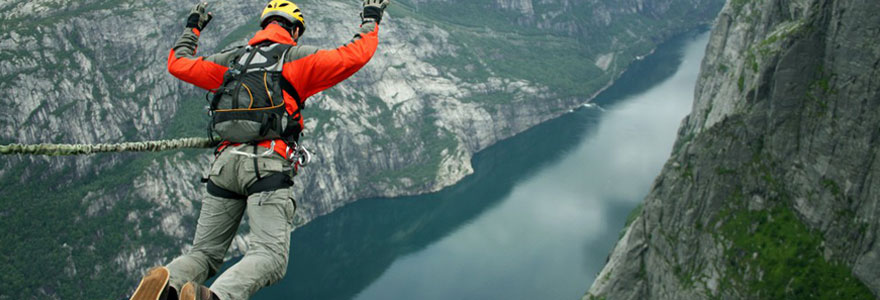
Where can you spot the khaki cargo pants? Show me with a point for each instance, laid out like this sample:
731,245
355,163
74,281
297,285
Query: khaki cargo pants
270,217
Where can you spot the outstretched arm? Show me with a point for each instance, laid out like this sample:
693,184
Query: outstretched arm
183,63
312,71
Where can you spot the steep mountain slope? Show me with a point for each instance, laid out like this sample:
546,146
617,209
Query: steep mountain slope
450,78
772,189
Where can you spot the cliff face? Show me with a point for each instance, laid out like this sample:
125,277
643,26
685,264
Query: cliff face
773,187
450,78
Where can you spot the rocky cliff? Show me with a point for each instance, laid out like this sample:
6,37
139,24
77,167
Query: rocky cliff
451,77
773,187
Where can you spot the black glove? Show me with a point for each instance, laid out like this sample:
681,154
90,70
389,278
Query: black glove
198,18
373,10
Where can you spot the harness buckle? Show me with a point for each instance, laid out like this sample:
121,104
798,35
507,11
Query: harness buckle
299,155
303,156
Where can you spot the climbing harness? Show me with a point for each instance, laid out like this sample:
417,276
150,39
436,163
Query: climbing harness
266,153
277,181
249,107
269,183
300,156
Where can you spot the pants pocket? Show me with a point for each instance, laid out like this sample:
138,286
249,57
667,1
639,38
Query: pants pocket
218,165
279,199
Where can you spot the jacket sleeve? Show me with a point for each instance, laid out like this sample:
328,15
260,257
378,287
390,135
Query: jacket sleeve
311,71
204,72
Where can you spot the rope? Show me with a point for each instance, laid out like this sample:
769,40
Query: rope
68,149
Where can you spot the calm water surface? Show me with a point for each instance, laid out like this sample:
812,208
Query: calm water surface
536,220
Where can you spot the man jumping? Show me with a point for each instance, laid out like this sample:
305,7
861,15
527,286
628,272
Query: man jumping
259,92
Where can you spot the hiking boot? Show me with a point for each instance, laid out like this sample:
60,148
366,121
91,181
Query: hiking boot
195,291
154,285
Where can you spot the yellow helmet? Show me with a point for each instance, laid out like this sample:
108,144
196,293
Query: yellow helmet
285,10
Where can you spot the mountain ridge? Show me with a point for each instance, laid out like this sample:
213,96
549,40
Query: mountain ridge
771,190
448,84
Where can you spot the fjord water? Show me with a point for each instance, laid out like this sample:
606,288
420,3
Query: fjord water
536,220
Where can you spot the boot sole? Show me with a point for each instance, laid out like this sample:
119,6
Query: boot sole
188,292
152,287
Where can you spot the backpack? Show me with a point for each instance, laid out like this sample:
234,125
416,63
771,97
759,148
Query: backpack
249,105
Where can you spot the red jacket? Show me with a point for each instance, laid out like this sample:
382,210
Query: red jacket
310,70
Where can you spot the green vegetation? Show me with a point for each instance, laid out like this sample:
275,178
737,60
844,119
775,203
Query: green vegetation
832,186
683,141
423,170
495,43
724,171
820,91
633,215
772,254
769,252
687,277
239,34
775,256
48,209
61,11
687,172
738,5
51,234
741,82
54,236
561,63
428,141
191,120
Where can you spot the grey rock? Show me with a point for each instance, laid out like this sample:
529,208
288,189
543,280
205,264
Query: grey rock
94,71
784,123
